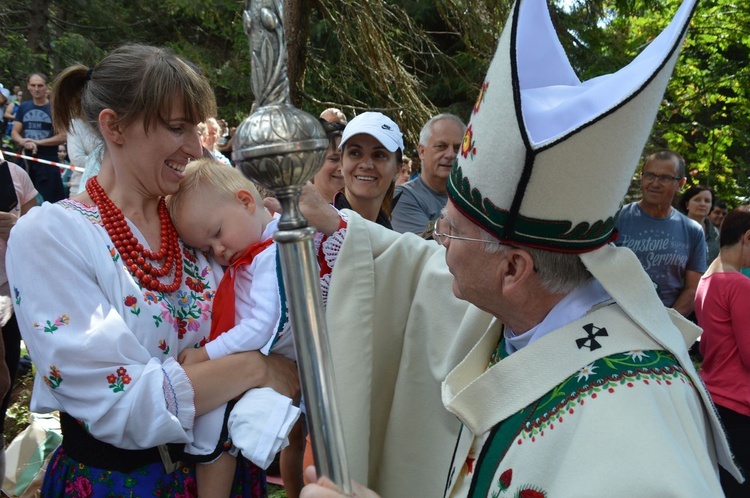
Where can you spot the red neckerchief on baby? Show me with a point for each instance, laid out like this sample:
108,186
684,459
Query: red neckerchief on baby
223,313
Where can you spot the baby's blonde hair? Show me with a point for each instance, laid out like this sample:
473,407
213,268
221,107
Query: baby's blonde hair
209,173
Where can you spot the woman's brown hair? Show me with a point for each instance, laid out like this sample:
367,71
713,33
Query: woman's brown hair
135,81
734,226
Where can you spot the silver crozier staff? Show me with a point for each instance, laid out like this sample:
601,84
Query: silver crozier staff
281,148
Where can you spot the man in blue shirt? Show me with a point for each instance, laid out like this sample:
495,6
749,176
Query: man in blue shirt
34,134
670,246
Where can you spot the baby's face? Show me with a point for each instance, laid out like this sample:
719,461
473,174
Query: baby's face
213,223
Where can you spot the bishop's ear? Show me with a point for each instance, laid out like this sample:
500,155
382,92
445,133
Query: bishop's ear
518,267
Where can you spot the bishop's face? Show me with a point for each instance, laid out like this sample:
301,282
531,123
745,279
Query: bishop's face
474,270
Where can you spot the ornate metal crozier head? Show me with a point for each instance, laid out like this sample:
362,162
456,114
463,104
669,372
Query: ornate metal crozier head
277,146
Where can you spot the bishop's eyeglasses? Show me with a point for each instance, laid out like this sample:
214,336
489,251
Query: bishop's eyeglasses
440,236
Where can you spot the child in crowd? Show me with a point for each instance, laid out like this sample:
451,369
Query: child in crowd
219,211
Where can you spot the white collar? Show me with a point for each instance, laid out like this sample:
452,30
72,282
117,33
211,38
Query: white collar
570,308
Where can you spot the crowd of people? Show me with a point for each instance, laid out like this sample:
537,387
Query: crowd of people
28,130
500,324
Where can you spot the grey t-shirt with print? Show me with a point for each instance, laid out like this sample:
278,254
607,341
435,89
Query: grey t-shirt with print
417,205
666,247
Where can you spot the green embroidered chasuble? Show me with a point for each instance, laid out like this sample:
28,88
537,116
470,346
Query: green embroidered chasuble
488,474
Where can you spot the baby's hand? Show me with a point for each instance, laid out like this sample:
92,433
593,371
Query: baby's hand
188,356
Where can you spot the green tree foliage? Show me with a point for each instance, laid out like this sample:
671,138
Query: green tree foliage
413,58
704,115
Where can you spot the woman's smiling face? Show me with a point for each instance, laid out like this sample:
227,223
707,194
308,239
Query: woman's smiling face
369,168
154,160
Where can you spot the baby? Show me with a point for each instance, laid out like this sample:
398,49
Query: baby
219,211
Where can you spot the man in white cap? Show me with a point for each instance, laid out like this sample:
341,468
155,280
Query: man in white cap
557,372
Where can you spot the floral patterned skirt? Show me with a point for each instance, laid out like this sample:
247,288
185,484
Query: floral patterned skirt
68,478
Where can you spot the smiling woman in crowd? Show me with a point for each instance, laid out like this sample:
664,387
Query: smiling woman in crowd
371,150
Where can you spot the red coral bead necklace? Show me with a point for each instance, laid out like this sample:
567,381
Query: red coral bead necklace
135,256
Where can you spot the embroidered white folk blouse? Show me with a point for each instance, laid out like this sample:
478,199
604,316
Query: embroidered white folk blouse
105,349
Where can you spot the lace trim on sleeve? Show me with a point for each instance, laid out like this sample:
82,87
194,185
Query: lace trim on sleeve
171,396
328,247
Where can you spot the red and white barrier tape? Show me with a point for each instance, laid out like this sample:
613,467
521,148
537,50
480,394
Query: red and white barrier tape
43,161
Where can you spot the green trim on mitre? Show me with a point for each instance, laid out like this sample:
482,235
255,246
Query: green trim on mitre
553,235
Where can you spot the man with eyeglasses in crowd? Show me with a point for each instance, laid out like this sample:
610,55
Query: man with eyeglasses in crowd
670,246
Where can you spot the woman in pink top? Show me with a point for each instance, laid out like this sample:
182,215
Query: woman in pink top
722,306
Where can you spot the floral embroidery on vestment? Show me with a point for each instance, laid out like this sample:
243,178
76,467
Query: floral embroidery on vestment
468,466
604,376
525,491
